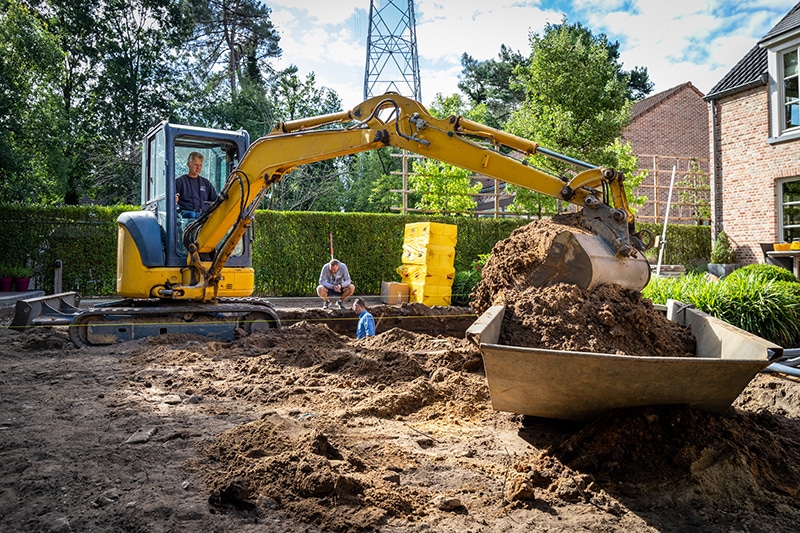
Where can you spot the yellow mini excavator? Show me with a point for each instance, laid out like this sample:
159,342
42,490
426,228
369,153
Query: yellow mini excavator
195,275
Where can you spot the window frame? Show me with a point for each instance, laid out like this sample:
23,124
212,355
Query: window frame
783,235
775,64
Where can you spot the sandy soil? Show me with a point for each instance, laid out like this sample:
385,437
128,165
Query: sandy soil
306,429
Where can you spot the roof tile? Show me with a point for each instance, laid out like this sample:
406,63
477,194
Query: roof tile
750,71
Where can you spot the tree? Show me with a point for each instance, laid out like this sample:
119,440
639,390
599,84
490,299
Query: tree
492,83
72,22
317,186
232,41
577,103
370,181
299,98
440,186
444,106
117,78
31,158
639,85
134,92
443,188
637,80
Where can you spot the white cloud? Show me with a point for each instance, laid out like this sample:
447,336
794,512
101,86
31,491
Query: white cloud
326,12
677,40
686,40
343,48
478,28
439,80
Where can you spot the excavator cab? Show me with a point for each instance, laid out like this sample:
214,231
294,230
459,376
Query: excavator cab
152,254
165,152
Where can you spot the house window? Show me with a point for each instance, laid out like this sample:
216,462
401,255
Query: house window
790,90
783,64
790,210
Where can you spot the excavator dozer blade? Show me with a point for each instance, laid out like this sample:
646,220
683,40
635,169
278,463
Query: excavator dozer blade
588,261
51,310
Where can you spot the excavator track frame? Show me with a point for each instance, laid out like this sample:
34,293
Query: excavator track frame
137,319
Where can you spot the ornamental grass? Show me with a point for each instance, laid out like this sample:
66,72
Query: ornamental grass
760,299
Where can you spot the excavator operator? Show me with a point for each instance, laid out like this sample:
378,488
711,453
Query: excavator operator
193,192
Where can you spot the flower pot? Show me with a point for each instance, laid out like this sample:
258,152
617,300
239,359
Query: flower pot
5,284
22,284
720,270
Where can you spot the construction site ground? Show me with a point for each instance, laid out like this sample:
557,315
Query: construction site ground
304,429
307,429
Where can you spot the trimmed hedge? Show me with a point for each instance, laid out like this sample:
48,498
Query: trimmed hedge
83,238
289,249
288,258
687,245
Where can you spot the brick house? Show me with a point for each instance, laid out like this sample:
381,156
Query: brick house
666,129
755,143
669,129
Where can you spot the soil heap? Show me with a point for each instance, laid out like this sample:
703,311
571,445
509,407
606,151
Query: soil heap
607,319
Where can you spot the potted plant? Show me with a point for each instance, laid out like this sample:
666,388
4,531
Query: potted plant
723,257
22,278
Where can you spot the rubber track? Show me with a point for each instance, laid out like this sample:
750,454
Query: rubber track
170,313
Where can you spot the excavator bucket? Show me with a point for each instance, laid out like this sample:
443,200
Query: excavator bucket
588,261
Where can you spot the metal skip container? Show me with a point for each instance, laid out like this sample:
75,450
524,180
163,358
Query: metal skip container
580,385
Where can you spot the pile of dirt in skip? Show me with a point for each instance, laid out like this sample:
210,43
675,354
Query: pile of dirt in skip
608,319
304,429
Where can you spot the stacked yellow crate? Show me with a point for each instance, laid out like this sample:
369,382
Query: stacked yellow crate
429,249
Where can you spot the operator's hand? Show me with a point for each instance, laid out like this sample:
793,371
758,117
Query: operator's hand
337,288
177,197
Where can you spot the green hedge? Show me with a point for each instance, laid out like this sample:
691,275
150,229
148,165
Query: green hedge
289,255
83,238
289,249
686,245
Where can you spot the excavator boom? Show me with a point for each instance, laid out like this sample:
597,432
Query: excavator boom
393,120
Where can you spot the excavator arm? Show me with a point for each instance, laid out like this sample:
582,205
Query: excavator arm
393,120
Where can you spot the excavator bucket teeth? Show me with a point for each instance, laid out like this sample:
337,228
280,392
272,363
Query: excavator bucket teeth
588,261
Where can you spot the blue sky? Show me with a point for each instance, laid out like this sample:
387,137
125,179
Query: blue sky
677,40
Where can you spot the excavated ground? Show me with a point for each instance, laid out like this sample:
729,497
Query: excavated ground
306,429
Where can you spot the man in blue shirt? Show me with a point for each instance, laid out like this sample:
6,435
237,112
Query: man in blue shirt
334,280
366,323
192,191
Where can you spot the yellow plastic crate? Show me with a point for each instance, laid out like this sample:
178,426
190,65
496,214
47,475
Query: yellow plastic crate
425,274
432,255
431,233
430,295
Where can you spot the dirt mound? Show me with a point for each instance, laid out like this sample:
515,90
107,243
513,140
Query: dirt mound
607,319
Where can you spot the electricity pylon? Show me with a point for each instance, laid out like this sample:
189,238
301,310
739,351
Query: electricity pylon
392,62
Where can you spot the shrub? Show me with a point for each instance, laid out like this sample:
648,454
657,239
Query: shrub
722,251
466,280
768,308
463,284
761,273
